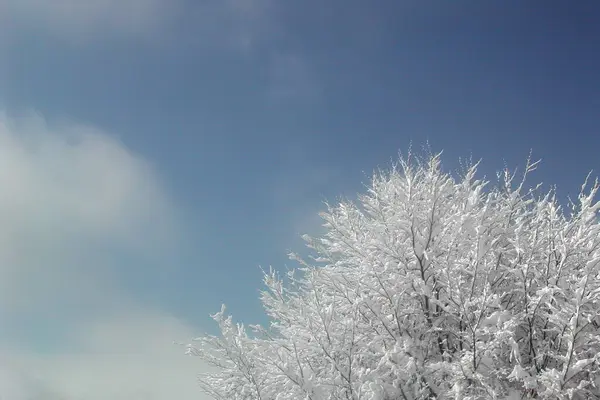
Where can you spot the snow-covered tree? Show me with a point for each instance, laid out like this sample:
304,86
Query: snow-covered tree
431,286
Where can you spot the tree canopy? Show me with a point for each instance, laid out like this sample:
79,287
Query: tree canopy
429,286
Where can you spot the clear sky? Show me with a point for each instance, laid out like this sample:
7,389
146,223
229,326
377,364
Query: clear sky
155,153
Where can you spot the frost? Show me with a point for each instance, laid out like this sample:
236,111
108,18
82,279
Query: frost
431,287
518,373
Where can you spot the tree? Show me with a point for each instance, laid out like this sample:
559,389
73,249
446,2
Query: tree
430,287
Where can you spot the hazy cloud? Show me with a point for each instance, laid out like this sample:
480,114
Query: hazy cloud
80,18
236,23
239,25
252,21
291,77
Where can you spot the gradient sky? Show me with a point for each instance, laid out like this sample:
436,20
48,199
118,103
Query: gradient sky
155,153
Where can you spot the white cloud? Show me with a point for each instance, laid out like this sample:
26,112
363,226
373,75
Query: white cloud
68,196
77,18
73,201
125,356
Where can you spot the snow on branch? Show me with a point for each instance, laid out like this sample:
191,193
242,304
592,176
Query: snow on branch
432,286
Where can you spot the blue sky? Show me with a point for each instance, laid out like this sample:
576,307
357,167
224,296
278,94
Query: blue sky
154,153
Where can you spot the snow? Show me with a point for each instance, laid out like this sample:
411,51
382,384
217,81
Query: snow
397,315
